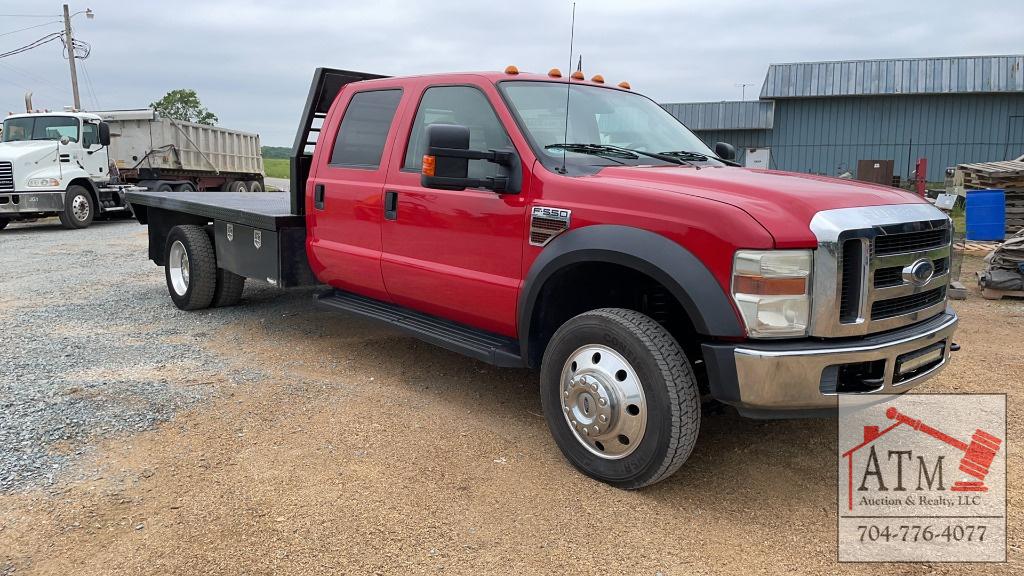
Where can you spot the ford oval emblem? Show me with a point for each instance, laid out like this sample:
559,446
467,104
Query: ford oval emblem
920,272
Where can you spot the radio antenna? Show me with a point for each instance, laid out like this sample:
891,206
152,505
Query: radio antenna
568,84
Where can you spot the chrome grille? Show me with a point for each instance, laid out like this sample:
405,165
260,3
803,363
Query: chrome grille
862,279
900,305
6,176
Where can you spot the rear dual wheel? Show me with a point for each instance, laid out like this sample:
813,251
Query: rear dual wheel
190,267
619,397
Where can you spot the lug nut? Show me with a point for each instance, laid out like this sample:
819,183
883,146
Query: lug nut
586,431
596,430
602,417
603,402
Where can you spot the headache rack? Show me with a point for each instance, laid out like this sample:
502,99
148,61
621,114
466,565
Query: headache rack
327,82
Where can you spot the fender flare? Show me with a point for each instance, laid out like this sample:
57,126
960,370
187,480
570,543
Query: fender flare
675,267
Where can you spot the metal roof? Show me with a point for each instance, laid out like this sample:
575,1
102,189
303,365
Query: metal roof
748,115
963,74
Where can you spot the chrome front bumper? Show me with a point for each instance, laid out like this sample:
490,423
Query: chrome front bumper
31,202
801,378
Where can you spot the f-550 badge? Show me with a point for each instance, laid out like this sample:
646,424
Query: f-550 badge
546,223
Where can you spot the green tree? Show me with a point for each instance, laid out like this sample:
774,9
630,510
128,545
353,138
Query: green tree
184,105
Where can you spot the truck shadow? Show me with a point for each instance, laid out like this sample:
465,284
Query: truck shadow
54,225
737,460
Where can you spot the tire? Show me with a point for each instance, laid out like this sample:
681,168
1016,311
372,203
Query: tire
229,288
4,222
235,186
254,186
190,267
624,380
79,208
164,187
186,187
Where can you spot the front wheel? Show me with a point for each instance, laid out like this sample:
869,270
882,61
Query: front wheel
79,209
4,222
619,397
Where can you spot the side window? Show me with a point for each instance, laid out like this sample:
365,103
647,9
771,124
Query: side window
90,135
364,129
457,105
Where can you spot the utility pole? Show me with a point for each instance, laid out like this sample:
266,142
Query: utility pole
70,41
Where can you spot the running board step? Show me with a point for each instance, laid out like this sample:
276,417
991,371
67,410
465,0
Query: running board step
484,346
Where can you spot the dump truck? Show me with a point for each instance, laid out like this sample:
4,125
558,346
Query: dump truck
638,271
79,165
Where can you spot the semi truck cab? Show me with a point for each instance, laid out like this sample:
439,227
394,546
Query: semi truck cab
576,228
54,162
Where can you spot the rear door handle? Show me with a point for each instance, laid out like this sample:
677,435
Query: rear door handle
318,196
391,205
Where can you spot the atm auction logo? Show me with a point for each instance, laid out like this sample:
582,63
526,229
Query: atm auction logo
922,477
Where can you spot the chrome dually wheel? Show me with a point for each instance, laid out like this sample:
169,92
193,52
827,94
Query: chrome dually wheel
603,401
178,267
620,397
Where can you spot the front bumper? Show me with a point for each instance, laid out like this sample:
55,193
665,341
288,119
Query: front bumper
31,202
804,378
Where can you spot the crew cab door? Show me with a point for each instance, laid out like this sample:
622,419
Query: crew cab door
455,254
346,187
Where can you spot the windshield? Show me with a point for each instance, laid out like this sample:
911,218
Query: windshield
604,124
40,128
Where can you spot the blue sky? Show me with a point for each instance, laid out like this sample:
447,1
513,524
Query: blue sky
251,61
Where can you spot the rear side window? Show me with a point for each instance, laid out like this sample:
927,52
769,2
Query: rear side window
364,129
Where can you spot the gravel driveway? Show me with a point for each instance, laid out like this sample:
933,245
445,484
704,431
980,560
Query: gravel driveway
274,437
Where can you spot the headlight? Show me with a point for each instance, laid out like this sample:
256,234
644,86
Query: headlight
42,182
772,289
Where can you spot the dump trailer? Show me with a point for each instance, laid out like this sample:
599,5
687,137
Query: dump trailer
146,148
78,165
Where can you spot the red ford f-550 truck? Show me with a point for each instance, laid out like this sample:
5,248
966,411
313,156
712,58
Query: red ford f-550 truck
640,271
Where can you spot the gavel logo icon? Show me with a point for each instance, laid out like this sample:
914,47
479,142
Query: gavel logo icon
978,455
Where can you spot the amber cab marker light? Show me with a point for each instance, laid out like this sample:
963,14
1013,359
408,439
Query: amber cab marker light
762,286
624,85
555,73
429,165
578,75
598,79
511,70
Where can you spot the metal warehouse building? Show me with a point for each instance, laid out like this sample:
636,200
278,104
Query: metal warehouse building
822,117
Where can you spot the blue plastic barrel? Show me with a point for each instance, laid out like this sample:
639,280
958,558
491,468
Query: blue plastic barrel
986,215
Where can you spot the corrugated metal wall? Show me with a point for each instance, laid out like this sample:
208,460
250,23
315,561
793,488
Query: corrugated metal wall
750,114
895,76
829,135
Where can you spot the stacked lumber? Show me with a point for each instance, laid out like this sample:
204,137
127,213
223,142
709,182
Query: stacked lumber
1008,176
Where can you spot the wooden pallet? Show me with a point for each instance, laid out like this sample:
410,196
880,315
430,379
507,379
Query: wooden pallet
1007,176
993,294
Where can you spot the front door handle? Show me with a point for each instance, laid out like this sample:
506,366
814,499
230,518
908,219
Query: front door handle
390,205
318,196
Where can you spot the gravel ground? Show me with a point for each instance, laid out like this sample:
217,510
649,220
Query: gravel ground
275,438
89,347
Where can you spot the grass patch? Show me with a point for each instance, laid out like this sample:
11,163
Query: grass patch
276,167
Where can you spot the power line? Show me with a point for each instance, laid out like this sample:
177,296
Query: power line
29,15
88,83
29,28
41,41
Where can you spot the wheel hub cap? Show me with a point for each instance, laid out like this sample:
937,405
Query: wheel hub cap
603,402
80,207
177,262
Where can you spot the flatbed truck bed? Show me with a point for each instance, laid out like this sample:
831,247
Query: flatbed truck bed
255,235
